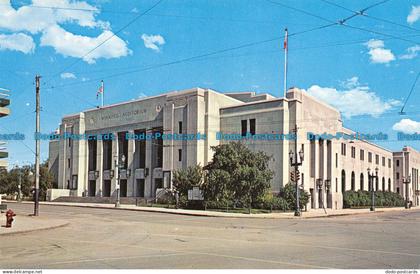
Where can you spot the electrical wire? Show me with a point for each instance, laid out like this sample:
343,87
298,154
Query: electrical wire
409,94
370,16
110,37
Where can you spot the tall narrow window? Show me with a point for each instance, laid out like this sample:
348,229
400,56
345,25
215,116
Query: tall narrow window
180,155
244,127
180,127
252,126
336,160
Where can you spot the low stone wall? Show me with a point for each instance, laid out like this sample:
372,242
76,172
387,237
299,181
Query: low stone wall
100,200
54,193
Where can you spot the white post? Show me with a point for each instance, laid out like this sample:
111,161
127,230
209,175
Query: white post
286,48
102,93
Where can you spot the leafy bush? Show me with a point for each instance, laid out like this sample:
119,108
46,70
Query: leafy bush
238,174
362,198
288,193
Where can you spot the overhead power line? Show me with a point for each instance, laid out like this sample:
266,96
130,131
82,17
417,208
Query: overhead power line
343,22
369,16
198,56
110,37
409,94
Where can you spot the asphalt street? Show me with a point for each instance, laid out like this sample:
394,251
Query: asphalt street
106,238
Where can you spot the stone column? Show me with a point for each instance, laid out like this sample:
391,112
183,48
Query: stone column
113,167
316,173
130,166
148,181
99,167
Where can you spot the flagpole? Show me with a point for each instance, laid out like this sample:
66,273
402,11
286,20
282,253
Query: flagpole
102,93
286,48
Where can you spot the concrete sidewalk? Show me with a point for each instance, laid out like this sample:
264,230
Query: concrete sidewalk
317,213
25,223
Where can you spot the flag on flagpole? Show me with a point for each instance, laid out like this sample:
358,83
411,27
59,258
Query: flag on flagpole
100,90
285,41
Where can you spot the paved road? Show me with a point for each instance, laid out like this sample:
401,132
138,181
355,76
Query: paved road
105,238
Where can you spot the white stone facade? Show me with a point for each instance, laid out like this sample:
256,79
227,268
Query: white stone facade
87,168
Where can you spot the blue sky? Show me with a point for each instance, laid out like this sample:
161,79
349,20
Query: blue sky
367,73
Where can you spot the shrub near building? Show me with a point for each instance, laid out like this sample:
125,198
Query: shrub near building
363,198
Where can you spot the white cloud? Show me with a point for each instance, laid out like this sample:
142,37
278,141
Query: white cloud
354,100
414,15
47,21
378,53
412,52
69,44
407,126
68,75
18,42
142,95
153,41
35,20
351,82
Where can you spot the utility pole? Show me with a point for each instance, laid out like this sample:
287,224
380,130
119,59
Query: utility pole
297,212
37,147
286,48
295,162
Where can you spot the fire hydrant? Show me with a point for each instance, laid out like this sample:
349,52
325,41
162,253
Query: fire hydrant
9,217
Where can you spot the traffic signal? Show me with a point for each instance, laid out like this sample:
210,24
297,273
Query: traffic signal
294,177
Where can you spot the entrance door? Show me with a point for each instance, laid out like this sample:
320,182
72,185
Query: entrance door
311,191
92,188
123,188
320,198
140,188
107,188
158,183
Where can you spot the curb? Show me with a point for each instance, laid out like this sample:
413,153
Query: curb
33,230
198,214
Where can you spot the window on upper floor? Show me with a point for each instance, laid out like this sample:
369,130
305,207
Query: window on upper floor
343,149
353,152
180,127
244,127
252,126
370,157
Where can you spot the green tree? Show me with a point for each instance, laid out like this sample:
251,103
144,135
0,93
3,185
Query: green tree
237,174
46,180
289,194
186,178
9,180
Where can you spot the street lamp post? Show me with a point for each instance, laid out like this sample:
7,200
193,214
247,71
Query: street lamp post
294,162
372,189
406,182
118,167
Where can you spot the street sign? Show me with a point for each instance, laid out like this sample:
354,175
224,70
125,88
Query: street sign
195,194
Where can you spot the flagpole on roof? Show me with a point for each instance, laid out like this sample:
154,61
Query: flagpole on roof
285,47
102,93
